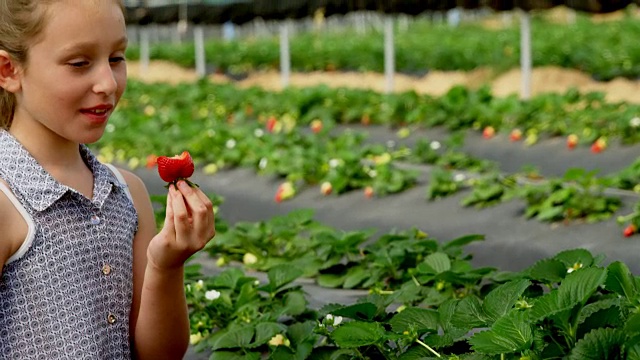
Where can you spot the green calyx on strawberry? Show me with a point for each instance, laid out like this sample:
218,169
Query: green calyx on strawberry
174,168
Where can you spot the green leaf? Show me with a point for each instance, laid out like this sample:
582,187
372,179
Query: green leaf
620,280
501,299
438,262
355,276
281,275
354,334
550,213
330,280
547,271
510,334
295,303
575,256
300,332
228,355
233,338
265,331
545,306
604,343
578,286
461,242
360,311
283,353
415,319
632,326
416,352
469,314
228,278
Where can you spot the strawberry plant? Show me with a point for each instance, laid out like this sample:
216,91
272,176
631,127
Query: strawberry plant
489,190
234,315
577,196
591,46
442,184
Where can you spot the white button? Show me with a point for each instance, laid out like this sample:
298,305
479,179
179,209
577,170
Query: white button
95,220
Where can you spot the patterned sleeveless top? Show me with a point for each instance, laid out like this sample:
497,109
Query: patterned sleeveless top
66,293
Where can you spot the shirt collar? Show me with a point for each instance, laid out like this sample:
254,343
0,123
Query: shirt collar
36,186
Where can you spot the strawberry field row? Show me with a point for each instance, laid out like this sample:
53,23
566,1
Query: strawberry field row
300,137
425,298
603,49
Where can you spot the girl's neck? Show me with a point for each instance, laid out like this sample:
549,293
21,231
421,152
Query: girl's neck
50,150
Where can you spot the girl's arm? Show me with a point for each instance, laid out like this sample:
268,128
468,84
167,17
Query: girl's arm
159,322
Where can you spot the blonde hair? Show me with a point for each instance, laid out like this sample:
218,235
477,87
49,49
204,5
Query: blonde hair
21,21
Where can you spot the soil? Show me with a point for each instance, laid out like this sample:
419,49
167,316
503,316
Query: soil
436,83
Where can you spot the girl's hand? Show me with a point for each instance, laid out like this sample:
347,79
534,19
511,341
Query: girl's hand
188,227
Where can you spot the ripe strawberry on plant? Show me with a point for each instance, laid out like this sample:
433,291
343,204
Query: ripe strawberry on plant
515,135
488,132
572,141
599,146
174,168
272,124
326,188
316,126
630,230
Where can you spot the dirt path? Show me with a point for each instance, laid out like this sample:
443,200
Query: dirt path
544,80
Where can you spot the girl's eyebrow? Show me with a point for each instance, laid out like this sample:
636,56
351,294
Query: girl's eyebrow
122,42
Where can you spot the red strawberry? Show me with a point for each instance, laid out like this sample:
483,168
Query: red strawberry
178,167
572,141
515,135
316,126
598,146
271,124
152,160
368,192
630,230
488,132
326,188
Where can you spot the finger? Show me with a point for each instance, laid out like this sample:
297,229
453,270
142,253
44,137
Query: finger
200,207
211,227
169,225
180,214
201,210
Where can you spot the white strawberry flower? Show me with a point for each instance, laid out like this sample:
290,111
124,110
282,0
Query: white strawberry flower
230,144
199,285
212,295
575,267
459,177
263,163
635,122
333,320
334,163
258,133
435,145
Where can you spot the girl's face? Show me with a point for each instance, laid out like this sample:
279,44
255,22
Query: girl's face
75,73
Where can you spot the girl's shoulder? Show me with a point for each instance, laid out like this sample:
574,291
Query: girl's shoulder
135,186
14,221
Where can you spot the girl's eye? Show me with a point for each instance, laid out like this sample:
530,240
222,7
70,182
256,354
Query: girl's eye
78,64
117,59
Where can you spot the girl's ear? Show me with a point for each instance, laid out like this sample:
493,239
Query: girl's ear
9,73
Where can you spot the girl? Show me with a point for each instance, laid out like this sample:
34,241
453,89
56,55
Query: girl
83,273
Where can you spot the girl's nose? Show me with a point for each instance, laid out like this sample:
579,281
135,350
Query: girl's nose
106,82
